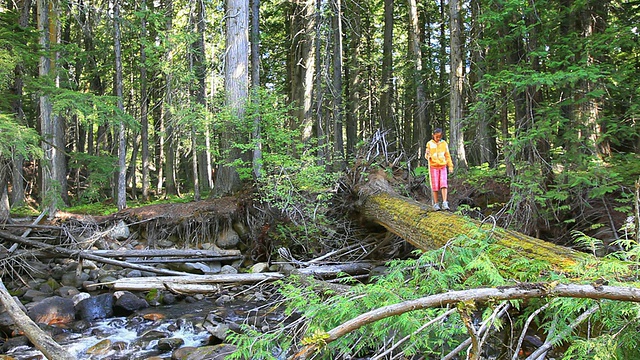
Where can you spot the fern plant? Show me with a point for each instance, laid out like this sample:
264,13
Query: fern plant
465,263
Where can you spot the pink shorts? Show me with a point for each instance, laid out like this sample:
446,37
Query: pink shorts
438,178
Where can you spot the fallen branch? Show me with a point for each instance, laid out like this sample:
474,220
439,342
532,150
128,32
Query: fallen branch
40,339
84,255
520,291
163,253
148,283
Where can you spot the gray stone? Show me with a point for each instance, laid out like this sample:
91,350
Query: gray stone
228,239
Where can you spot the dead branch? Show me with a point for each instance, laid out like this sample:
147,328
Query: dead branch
174,282
520,291
84,255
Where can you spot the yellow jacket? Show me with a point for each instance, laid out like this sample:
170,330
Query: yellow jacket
438,154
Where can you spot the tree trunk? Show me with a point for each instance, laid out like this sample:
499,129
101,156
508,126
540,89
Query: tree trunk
457,84
255,86
386,98
53,174
144,105
303,64
426,229
421,98
338,140
353,86
236,83
122,151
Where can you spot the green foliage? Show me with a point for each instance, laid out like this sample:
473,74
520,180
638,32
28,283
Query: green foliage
16,139
98,170
462,264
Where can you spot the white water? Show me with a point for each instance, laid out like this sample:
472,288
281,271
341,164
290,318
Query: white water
117,331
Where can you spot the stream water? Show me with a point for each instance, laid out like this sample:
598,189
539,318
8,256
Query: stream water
137,337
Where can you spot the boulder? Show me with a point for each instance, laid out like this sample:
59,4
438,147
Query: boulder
96,307
54,310
127,302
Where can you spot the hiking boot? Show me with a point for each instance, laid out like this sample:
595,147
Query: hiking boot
445,205
436,206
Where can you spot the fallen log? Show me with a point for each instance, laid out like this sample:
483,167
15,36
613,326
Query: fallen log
164,253
84,255
40,339
426,229
163,282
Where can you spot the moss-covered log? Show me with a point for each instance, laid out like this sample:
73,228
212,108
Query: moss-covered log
427,229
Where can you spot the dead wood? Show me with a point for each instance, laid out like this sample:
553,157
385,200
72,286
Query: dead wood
426,229
164,253
323,272
84,255
516,292
41,340
176,282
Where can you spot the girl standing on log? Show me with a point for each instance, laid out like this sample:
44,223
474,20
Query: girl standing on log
437,153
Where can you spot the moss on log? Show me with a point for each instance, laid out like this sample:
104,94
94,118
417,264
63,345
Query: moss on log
427,229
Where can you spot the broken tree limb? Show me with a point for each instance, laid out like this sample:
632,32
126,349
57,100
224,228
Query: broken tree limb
165,252
41,340
520,291
149,283
427,229
84,255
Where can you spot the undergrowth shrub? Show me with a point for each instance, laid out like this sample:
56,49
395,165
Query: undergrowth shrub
464,263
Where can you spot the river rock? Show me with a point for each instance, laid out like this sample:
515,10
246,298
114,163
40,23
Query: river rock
101,348
169,344
96,307
67,291
53,310
14,342
34,295
215,352
191,267
127,302
6,324
119,231
70,279
260,267
228,269
228,239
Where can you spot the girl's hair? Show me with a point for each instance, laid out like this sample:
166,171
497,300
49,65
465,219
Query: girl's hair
437,130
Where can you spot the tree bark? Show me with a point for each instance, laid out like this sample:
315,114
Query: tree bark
387,122
338,110
415,53
457,85
122,151
236,83
144,105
